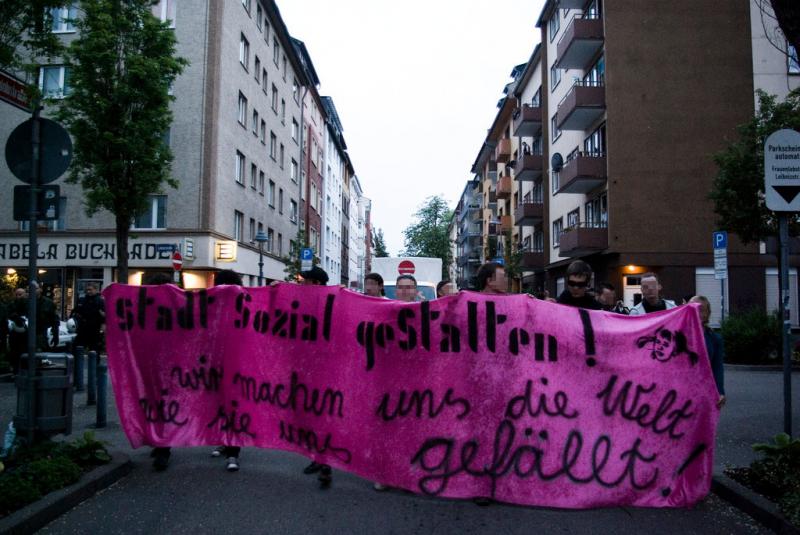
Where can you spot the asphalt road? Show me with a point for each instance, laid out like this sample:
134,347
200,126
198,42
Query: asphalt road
271,495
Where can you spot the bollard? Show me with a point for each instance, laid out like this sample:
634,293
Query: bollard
78,353
91,386
102,389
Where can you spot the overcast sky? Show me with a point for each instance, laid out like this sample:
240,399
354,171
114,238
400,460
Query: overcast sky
416,85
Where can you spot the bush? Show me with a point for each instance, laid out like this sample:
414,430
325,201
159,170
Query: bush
752,337
53,474
16,491
777,475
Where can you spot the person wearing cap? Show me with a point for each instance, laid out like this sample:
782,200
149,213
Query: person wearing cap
316,276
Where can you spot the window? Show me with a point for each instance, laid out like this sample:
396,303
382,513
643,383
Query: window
242,110
573,218
558,228
293,211
555,178
259,17
282,156
595,144
54,81
257,69
293,171
295,91
284,68
556,132
56,224
155,216
264,82
255,122
253,175
244,51
63,18
295,129
164,10
303,185
263,131
554,24
274,99
280,201
252,234
270,239
261,182
280,244
271,194
266,31
555,76
273,145
246,4
238,223
276,50
283,111
794,64
597,74
596,212
240,168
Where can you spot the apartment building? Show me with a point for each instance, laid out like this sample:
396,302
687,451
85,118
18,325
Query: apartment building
468,223
236,139
333,180
360,206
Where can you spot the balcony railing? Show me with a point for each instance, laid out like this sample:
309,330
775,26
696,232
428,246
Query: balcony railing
502,153
506,224
529,213
504,187
532,258
583,239
528,121
582,105
583,172
582,40
529,167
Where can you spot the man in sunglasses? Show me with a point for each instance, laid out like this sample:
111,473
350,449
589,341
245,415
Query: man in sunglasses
579,274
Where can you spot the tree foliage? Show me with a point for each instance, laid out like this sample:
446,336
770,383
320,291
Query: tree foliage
292,260
379,244
738,188
122,66
26,37
787,15
429,235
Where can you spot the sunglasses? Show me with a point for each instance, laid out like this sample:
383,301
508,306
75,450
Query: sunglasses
577,284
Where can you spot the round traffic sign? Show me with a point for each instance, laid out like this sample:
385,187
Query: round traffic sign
406,267
177,261
55,151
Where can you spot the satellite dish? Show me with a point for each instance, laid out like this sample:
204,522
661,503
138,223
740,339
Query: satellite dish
557,162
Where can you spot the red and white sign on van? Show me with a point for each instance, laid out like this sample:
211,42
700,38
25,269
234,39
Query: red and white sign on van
406,267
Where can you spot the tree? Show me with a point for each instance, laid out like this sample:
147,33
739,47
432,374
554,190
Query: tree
429,235
379,244
738,188
26,36
292,260
122,66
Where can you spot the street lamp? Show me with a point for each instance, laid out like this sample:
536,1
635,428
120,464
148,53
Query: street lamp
261,238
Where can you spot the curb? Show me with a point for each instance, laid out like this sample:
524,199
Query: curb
755,505
38,514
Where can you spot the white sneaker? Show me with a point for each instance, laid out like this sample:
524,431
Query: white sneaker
218,451
233,464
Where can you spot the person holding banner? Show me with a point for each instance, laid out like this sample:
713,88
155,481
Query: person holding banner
714,346
373,285
445,288
579,275
406,288
651,298
491,278
316,276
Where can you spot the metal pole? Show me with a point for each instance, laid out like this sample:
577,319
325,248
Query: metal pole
783,233
32,270
91,387
79,385
722,293
102,389
260,264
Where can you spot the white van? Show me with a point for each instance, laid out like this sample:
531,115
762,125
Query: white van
427,271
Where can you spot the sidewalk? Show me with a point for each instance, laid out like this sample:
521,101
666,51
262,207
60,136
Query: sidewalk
270,494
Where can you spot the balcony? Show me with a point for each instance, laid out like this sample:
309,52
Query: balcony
583,173
528,121
528,214
492,197
506,224
583,239
532,259
504,187
582,106
502,153
469,231
572,4
580,43
493,229
474,258
528,168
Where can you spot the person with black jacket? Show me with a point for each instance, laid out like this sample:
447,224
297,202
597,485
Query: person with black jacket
579,275
90,315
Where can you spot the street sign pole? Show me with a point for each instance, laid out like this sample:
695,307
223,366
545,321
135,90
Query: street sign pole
33,253
786,324
782,196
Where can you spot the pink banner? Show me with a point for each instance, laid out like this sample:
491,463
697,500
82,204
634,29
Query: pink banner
507,397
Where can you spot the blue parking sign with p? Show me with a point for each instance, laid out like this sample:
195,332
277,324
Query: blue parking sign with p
306,253
720,239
